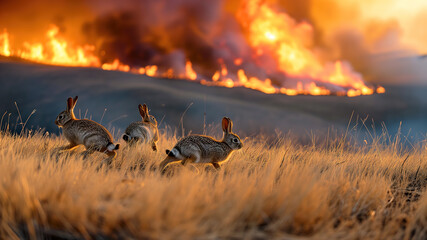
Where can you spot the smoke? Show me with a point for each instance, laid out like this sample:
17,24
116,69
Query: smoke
381,39
29,20
168,32
140,33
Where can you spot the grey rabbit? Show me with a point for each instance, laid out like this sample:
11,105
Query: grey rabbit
91,134
204,149
145,130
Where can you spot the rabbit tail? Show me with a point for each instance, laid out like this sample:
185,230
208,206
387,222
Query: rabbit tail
126,137
112,147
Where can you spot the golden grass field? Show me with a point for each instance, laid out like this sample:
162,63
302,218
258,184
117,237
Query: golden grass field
340,189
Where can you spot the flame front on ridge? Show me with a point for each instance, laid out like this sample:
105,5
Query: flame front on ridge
273,35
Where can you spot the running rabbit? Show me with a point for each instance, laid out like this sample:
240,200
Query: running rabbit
91,134
145,130
204,149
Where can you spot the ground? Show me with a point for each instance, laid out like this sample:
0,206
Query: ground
311,167
337,189
112,98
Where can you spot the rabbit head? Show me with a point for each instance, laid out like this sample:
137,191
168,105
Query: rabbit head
230,138
68,114
146,117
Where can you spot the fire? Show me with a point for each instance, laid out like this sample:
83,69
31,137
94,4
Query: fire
277,34
191,74
254,83
57,51
238,61
4,41
270,33
151,70
116,65
346,78
380,90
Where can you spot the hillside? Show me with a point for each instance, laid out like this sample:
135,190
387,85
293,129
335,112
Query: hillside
114,96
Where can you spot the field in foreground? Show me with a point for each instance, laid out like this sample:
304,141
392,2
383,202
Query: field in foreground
336,190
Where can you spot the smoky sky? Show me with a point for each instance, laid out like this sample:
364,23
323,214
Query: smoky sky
164,32
168,32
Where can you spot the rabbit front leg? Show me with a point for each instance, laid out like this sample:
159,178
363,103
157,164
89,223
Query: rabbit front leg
168,160
88,152
69,147
111,154
154,146
216,165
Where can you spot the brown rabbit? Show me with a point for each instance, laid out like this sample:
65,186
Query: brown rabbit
91,134
204,149
145,130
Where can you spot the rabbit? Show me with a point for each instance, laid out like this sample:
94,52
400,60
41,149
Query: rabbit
145,130
204,149
91,134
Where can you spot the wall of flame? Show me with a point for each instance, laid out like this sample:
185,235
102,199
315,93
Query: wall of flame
317,47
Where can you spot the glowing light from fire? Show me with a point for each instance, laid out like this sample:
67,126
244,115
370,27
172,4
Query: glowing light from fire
151,70
238,61
190,73
55,51
115,65
347,78
224,71
270,36
269,33
280,36
380,89
4,41
216,76
277,34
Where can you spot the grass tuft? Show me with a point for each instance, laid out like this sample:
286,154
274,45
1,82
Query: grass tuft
338,190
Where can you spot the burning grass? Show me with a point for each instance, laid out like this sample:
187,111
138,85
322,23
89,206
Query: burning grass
261,47
276,190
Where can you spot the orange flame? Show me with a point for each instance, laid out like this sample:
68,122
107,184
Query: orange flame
277,34
216,76
4,41
190,73
57,51
151,70
116,65
269,32
380,90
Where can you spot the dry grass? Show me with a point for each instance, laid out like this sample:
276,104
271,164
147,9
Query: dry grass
339,190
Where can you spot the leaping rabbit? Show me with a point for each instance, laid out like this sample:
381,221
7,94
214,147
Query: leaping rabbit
91,134
145,131
204,149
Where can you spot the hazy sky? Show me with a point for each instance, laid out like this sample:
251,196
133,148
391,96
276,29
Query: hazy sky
411,15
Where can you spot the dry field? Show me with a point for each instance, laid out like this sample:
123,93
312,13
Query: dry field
271,189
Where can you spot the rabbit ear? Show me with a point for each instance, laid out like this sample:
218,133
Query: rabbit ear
75,101
70,104
226,125
141,111
145,108
230,125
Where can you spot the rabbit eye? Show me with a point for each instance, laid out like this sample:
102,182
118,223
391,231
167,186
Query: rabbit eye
60,117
